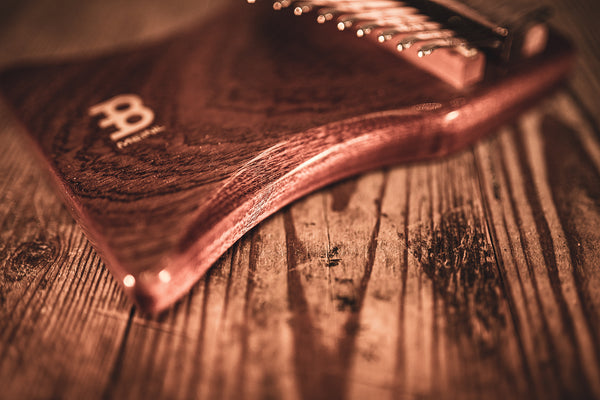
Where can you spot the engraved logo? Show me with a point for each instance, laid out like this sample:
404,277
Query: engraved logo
126,113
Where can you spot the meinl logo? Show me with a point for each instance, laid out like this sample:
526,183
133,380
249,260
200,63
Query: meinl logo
129,116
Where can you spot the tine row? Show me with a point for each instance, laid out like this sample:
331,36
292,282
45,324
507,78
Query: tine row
391,19
402,29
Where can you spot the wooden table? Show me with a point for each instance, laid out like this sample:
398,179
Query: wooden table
476,276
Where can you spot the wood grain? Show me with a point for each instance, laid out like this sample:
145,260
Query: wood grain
248,128
469,277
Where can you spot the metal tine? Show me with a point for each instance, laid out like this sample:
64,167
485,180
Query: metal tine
302,7
381,19
392,31
357,4
458,44
366,27
347,5
409,41
279,4
328,9
380,13
387,13
327,14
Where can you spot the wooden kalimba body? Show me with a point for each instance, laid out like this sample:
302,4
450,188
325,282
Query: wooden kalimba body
167,155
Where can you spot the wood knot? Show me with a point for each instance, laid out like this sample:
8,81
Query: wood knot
30,257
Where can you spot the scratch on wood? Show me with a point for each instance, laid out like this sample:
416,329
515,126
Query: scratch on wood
456,257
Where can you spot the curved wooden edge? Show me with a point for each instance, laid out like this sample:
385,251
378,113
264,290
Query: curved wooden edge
341,150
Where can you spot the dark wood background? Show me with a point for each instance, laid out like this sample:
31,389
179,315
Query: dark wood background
473,276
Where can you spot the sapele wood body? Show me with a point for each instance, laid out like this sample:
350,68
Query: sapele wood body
354,291
255,115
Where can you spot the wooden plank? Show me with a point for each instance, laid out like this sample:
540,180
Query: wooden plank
53,289
553,307
385,314
228,142
471,277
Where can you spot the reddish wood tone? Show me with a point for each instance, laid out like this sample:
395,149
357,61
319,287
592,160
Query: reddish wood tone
258,111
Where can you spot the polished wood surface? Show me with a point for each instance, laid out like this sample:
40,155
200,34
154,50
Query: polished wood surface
474,276
284,106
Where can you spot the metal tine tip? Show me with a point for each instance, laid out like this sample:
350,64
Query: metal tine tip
364,30
302,8
408,42
344,24
279,4
326,14
392,31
